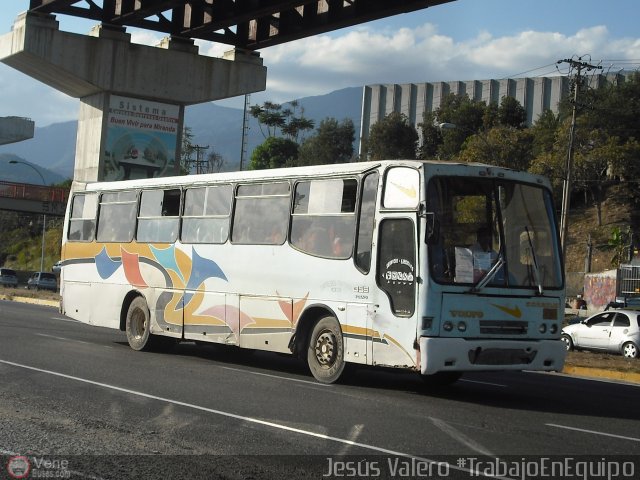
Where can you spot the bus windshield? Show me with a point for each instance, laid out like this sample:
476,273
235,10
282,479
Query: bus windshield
492,232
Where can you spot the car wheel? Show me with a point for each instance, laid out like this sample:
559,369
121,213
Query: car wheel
630,350
568,343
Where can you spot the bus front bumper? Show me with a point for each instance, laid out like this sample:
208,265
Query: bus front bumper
460,355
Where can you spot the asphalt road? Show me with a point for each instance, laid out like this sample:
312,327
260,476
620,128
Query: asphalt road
78,394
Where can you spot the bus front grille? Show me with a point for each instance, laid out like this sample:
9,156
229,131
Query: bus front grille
503,327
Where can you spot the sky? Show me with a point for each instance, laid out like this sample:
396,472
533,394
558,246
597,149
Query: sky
460,40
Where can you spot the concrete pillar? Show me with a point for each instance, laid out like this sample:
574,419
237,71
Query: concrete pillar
132,97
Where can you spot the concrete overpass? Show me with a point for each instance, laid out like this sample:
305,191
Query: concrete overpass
15,129
132,97
24,197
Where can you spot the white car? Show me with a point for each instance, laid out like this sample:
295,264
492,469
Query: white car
614,331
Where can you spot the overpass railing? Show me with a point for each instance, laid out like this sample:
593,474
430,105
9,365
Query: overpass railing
26,191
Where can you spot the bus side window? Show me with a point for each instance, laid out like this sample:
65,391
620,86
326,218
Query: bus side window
159,216
323,221
205,218
117,216
261,214
82,220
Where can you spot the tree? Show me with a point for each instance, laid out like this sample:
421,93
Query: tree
511,113
332,143
186,151
274,117
274,152
392,138
544,132
431,137
465,116
295,125
501,146
270,115
215,162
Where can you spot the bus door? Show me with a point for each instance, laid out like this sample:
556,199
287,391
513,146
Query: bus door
396,276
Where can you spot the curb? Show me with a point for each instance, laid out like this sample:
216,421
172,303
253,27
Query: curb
589,372
33,301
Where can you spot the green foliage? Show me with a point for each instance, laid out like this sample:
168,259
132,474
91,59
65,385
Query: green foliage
502,146
21,241
392,138
332,143
619,242
273,117
511,113
187,150
274,152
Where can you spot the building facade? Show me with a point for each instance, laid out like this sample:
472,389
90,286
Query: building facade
414,99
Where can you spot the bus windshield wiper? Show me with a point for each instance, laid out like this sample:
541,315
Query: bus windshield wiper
487,277
534,260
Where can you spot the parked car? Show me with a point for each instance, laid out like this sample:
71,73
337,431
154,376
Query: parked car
8,277
615,331
629,303
42,280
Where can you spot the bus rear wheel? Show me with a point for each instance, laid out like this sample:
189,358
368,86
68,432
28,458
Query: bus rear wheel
325,354
138,325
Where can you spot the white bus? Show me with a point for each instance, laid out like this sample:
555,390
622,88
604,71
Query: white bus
370,263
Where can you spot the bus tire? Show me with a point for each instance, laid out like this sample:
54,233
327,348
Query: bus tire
441,379
138,325
325,353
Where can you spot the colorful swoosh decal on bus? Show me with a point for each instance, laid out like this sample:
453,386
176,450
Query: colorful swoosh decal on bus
131,264
201,269
105,264
167,258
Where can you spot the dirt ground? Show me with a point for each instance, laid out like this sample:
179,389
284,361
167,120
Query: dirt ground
605,361
23,292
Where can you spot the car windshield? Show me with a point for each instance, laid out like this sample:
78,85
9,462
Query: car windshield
7,272
493,232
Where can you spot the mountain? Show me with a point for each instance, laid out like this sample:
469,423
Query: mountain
22,173
53,147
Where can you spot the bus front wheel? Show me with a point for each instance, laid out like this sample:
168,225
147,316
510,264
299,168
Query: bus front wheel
325,355
138,324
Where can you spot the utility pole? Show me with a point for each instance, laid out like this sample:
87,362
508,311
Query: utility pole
245,129
199,162
579,66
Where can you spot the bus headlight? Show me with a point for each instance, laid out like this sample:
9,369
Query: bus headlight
553,328
542,328
462,326
447,326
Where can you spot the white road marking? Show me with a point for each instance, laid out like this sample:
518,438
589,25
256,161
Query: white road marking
69,340
595,432
316,384
483,383
65,319
243,418
460,437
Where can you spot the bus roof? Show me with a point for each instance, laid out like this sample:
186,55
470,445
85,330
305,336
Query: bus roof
439,167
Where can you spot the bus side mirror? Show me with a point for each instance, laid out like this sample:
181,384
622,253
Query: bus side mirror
432,233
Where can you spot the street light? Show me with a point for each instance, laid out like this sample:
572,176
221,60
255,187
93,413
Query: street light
44,216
